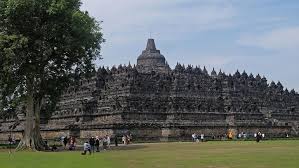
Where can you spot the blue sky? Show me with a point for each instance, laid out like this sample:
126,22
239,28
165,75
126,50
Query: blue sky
259,36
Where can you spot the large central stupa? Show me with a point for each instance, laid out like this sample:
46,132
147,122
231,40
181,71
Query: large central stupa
152,60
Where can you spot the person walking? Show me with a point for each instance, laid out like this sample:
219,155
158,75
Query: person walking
116,140
128,138
258,137
108,141
65,140
194,137
72,143
86,147
97,144
202,136
124,139
92,144
105,143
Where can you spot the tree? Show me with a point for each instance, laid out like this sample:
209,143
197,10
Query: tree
44,44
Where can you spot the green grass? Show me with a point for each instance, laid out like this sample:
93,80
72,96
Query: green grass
236,154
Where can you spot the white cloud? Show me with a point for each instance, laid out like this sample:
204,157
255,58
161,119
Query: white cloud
285,39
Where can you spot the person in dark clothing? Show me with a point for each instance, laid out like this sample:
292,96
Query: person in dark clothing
46,146
54,148
258,137
92,144
10,141
65,140
72,143
115,140
97,144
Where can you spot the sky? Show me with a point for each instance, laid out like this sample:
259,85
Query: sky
259,36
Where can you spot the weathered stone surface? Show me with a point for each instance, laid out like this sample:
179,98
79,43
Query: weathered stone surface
152,101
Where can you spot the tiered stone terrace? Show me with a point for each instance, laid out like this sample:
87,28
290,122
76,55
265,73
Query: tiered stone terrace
154,102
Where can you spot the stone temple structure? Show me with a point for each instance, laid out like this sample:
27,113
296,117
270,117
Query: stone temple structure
154,102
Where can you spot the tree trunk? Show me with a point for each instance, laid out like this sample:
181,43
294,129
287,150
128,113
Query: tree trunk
32,138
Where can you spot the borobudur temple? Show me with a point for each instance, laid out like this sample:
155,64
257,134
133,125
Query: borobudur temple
154,102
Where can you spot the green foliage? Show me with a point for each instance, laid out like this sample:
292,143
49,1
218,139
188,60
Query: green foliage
43,45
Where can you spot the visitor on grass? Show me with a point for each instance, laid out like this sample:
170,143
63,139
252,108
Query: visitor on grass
46,146
129,138
194,137
115,140
54,148
239,136
65,140
86,147
108,141
61,138
72,143
213,137
10,142
124,139
105,143
13,140
258,137
97,144
92,144
202,137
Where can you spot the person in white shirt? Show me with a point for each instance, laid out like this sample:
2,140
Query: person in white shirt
202,136
194,137
86,147
108,141
124,139
258,137
105,143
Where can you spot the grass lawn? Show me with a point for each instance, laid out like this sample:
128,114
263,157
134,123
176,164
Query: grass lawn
237,154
